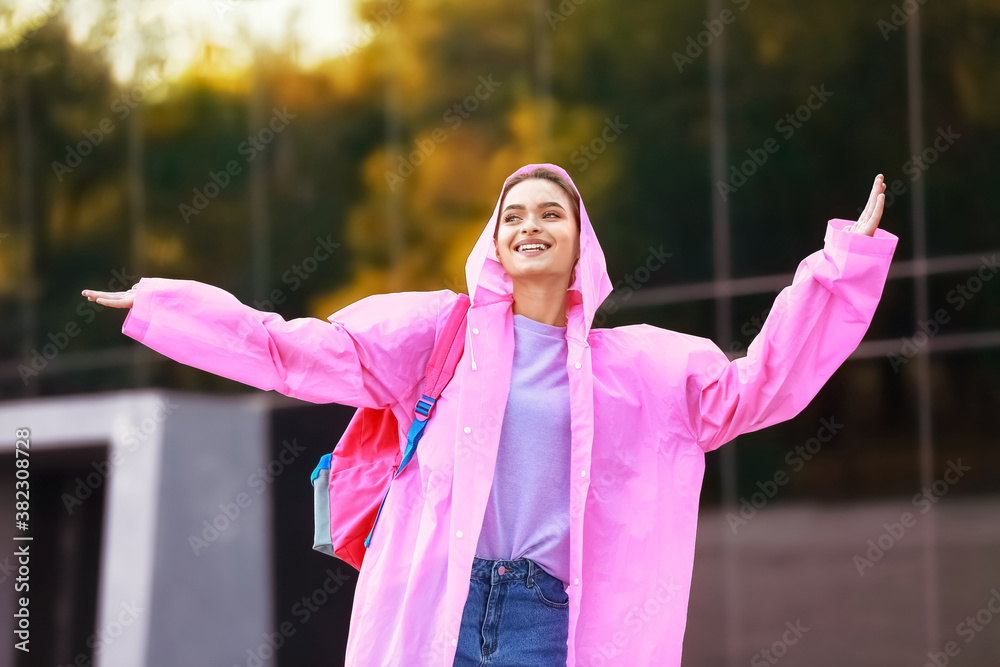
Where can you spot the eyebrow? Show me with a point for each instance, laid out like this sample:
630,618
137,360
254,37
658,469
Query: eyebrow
547,204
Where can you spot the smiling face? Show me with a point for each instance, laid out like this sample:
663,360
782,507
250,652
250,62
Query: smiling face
537,212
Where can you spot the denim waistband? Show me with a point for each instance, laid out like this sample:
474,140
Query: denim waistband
520,569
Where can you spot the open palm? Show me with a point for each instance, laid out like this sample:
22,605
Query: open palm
113,299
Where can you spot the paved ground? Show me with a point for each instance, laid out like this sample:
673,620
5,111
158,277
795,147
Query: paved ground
796,564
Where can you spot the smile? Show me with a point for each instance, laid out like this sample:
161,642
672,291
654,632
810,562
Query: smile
533,248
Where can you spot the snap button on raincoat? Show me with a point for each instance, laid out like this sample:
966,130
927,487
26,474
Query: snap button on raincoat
646,404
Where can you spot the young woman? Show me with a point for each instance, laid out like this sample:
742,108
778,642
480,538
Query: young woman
549,515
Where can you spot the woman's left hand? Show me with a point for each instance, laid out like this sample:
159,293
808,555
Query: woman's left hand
868,222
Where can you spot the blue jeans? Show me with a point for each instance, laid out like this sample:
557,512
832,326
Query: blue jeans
517,614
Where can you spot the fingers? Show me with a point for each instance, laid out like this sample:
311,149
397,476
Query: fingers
868,222
877,188
123,302
93,294
877,214
868,206
112,299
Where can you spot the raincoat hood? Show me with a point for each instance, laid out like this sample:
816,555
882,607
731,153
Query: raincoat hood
488,281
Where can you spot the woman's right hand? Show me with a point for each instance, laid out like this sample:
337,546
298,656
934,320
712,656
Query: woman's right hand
113,299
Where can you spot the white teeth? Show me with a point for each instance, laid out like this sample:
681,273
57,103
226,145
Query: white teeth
532,246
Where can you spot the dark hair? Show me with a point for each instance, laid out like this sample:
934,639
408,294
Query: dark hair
546,174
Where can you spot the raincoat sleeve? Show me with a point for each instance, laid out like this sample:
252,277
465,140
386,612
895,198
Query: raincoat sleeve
814,325
369,354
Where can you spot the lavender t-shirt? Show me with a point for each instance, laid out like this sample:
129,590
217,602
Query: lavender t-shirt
527,514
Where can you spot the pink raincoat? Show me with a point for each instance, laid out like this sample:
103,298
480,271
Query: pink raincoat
646,404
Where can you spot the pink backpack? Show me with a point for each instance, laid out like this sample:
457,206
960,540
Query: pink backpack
350,484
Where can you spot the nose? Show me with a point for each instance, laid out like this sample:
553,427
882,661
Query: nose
530,225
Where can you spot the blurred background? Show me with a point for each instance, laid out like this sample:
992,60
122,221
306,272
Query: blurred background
307,153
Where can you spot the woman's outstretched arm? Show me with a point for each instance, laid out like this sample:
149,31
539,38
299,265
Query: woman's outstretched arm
814,325
369,354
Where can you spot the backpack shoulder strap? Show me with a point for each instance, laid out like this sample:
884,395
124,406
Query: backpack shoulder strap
448,347
448,350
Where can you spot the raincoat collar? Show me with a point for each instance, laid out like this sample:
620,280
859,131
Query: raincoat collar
489,282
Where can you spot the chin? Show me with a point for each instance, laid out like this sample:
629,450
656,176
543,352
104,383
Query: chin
525,268
541,272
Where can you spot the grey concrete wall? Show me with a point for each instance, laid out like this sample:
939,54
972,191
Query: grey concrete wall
173,460
796,564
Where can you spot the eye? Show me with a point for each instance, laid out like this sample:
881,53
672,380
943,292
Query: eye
556,214
509,217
